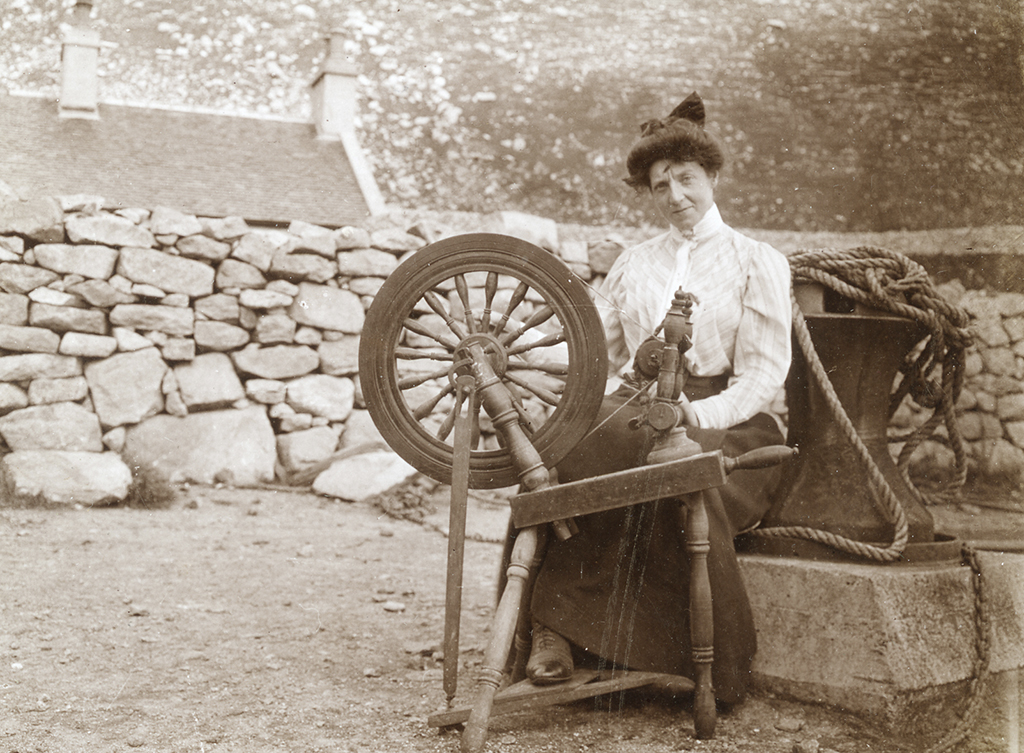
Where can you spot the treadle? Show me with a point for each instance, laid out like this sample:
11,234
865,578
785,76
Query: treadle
585,683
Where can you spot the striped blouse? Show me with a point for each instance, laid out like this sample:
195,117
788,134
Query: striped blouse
741,321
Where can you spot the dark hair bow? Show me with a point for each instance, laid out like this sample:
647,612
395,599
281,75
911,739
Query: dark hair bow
691,108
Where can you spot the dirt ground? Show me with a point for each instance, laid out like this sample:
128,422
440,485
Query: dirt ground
276,620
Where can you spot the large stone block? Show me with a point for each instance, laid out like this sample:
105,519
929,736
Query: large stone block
59,426
235,274
100,293
276,362
209,381
303,449
69,390
94,262
299,267
322,395
107,230
327,308
13,309
38,219
235,446
360,476
168,221
28,339
882,641
170,320
67,319
30,366
172,274
24,278
64,478
219,336
12,397
126,388
366,262
258,247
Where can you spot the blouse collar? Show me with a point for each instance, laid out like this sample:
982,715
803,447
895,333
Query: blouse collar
706,226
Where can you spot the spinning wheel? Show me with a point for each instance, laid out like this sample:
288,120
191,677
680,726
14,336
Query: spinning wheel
528,313
483,363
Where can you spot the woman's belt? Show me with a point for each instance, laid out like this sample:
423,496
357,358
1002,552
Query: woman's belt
698,388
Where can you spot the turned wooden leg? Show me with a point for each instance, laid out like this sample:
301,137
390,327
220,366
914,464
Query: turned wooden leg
702,632
505,620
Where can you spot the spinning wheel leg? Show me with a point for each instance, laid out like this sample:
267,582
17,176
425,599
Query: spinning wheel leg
702,631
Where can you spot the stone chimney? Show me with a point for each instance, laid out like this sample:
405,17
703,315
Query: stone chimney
334,91
79,59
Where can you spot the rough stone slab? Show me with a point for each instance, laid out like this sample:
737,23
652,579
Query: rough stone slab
129,340
28,339
29,366
219,336
46,391
126,388
209,381
303,449
878,640
339,357
276,362
395,240
172,274
361,476
23,278
178,349
170,320
234,446
203,247
219,306
258,247
327,308
224,228
540,231
603,254
261,300
107,230
12,397
360,430
349,237
53,297
92,261
275,328
67,319
38,219
234,274
60,426
266,391
322,395
366,262
12,248
298,267
64,478
100,293
314,238
87,346
13,309
168,221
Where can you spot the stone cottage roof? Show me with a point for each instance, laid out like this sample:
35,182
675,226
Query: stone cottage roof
261,169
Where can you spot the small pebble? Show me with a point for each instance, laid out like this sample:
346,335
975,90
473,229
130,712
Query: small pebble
806,746
394,606
371,672
789,724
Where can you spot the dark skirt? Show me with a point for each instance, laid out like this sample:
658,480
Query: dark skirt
619,589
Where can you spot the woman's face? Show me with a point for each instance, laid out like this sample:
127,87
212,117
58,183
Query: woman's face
682,191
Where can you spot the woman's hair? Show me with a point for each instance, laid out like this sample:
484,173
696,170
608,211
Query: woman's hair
680,137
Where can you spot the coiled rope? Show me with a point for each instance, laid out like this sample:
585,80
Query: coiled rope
893,283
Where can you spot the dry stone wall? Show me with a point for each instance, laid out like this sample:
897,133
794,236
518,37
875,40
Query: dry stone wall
214,351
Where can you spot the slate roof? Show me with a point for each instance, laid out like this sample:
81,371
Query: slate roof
261,169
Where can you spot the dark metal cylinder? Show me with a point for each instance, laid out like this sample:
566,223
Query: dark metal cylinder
827,487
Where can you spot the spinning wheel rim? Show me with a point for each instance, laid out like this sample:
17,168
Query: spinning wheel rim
446,260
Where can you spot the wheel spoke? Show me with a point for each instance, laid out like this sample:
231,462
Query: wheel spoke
415,354
545,342
554,369
463,290
537,318
427,407
518,296
415,380
420,329
547,396
490,288
442,311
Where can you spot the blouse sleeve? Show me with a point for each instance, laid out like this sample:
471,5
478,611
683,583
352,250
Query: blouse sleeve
763,345
609,304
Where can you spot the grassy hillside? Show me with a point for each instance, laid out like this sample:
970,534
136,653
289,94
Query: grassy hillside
860,115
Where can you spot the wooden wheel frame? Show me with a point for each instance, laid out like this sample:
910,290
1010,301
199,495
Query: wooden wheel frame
534,319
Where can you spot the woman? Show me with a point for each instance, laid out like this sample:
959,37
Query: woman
618,590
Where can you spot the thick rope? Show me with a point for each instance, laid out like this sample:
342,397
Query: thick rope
889,282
